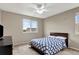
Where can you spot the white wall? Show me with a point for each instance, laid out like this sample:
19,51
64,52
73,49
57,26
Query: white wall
63,22
13,27
0,16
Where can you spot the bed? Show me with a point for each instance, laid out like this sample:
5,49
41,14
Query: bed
50,45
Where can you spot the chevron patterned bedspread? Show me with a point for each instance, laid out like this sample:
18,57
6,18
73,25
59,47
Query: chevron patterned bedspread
48,45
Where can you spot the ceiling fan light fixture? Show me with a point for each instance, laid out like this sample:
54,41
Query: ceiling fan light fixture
40,8
41,11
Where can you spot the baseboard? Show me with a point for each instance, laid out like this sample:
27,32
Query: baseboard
19,44
76,49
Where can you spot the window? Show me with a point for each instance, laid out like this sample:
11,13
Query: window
30,25
77,24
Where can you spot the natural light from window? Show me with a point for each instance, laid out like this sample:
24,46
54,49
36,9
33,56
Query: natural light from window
77,24
30,25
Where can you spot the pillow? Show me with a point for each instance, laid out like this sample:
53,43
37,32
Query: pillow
51,36
61,37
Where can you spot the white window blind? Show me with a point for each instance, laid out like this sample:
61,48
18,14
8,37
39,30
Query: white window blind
30,25
77,23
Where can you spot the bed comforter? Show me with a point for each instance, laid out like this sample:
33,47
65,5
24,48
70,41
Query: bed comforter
48,45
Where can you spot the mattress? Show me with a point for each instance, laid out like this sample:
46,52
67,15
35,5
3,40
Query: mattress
48,45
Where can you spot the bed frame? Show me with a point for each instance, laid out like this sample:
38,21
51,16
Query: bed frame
53,34
61,34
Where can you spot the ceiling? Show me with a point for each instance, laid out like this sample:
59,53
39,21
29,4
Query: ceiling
28,8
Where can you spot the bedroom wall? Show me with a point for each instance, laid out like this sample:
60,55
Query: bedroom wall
63,22
13,27
0,16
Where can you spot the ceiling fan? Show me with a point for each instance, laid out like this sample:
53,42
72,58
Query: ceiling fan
40,8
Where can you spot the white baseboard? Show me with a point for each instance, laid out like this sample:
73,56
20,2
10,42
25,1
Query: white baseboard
74,48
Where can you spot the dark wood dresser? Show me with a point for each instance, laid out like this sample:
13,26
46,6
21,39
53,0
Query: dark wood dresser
6,45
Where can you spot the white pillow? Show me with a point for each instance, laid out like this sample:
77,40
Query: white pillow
61,37
51,36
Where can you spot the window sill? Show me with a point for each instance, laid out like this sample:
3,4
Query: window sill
31,32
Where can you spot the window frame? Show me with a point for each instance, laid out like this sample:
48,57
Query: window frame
76,24
30,27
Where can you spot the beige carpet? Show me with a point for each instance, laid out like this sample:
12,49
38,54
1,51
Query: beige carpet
26,50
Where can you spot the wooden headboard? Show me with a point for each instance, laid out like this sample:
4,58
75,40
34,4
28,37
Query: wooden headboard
61,34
